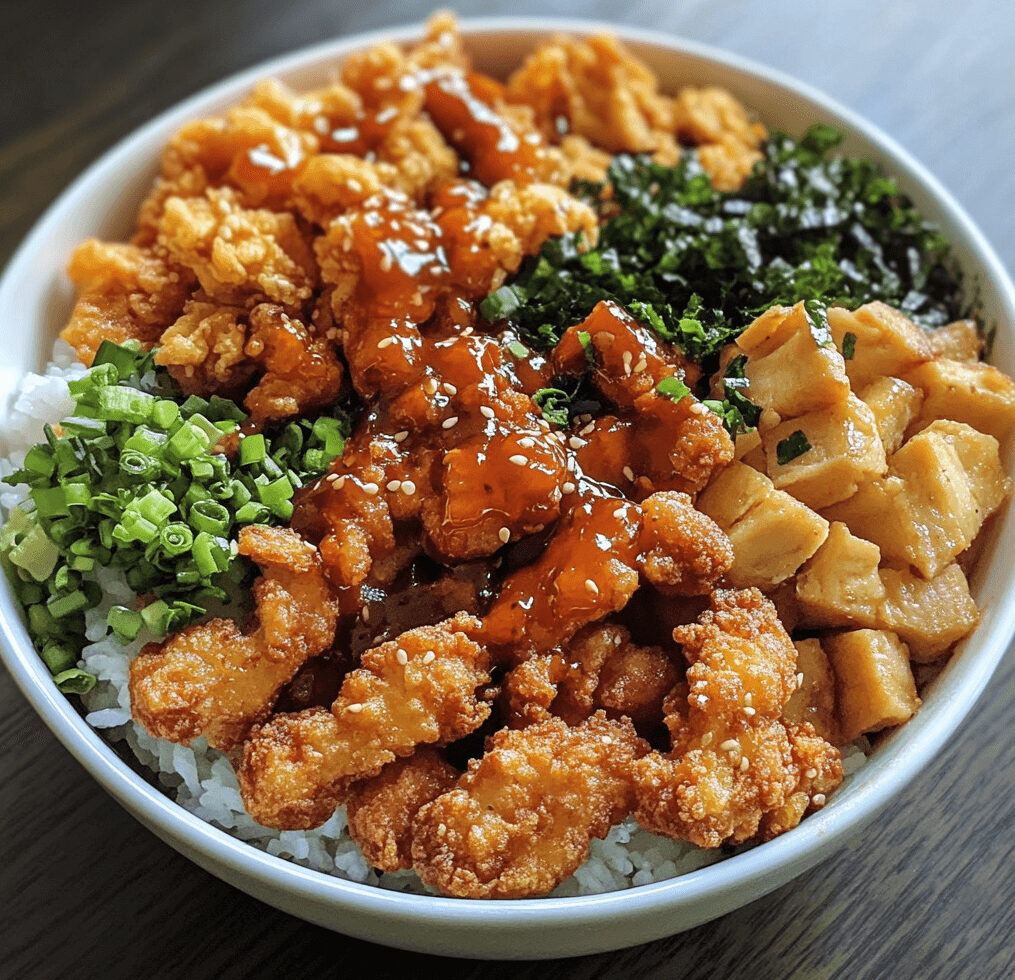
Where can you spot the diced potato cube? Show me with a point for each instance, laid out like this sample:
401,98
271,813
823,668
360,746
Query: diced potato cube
840,585
745,443
931,615
978,394
874,686
895,404
846,451
961,341
814,698
886,342
796,375
772,533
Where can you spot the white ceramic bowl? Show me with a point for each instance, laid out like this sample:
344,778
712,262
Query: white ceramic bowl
34,299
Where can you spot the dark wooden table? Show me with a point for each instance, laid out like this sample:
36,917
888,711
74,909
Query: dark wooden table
928,892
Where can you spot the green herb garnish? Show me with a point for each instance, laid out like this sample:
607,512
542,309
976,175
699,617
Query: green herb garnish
698,264
848,346
137,479
794,445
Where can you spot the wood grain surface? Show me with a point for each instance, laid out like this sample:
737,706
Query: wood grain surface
928,891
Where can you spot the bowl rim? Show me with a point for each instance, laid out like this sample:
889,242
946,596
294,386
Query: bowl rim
815,839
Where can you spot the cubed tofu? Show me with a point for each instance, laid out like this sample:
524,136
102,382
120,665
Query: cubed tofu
772,533
978,394
874,686
940,488
886,342
930,615
980,456
895,404
961,341
840,585
814,699
783,597
845,452
788,371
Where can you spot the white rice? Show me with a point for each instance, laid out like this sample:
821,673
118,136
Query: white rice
202,780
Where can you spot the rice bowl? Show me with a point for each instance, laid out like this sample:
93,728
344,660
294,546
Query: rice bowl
965,677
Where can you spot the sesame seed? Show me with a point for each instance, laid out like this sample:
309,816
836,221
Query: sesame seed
606,338
629,473
587,429
696,408
628,357
467,332
331,477
408,487
749,711
706,739
365,614
811,773
518,459
749,697
401,436
504,534
745,764
402,657
450,423
385,342
818,799
800,679
620,512
430,386
486,411
371,489
641,365
591,586
393,485
339,483
450,388
386,262
575,443
429,657
606,740
730,745
568,487
526,443
355,708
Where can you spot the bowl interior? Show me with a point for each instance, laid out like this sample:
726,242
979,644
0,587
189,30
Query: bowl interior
35,297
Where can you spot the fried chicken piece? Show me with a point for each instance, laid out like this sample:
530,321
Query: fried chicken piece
239,254
301,373
678,445
630,358
599,668
736,771
125,292
586,572
684,552
381,810
528,691
614,674
602,91
728,142
212,679
203,349
521,819
483,503
419,689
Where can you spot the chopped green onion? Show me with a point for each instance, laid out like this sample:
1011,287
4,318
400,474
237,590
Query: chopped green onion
125,623
252,449
58,657
75,681
67,605
207,515
673,388
176,539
